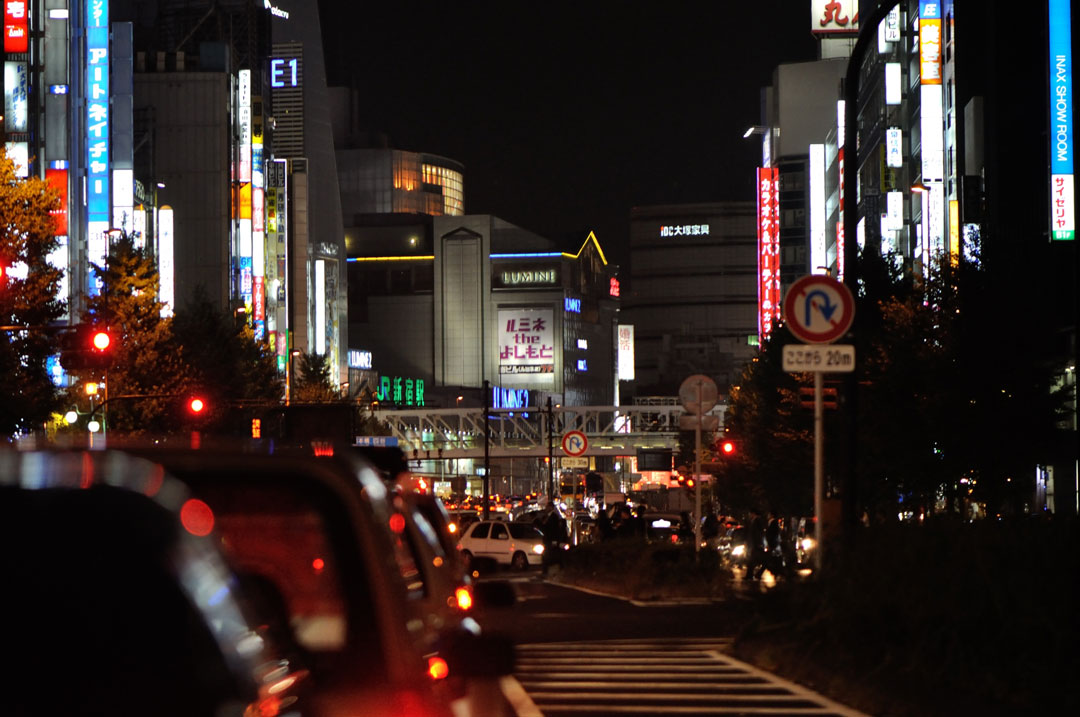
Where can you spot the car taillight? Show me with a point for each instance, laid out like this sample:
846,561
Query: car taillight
463,598
437,668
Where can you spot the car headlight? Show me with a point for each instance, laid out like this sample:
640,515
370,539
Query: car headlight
538,549
807,543
738,550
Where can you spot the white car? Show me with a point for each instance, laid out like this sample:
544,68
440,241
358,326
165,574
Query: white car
518,545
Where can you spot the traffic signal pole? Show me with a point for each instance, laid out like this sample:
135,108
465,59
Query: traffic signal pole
697,471
819,465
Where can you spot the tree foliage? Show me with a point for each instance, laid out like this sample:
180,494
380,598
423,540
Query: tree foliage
313,382
160,362
146,371
235,374
27,299
944,408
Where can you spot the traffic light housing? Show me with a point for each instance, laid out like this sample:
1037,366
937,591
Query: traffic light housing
87,347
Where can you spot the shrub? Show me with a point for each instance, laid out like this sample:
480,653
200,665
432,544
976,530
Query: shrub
645,570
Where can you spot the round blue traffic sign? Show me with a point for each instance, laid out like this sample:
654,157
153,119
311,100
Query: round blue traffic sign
819,309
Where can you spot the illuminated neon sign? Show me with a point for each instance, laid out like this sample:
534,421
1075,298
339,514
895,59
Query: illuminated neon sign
400,391
97,135
509,397
1062,197
768,233
283,73
16,26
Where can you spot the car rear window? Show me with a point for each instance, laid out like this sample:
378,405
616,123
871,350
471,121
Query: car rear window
295,543
524,531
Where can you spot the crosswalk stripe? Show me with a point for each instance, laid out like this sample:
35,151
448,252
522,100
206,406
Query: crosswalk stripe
670,676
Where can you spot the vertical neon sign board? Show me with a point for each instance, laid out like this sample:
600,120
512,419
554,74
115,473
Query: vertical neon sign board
97,133
930,42
16,26
1062,197
768,196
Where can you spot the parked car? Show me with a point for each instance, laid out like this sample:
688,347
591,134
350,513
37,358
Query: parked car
328,537
118,601
460,520
518,545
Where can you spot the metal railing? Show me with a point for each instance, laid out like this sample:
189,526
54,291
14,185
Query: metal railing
517,432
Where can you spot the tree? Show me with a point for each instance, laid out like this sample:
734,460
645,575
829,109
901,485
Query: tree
313,382
28,298
147,371
774,464
237,374
935,416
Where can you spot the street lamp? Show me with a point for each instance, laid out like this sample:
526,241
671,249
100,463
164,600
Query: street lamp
755,129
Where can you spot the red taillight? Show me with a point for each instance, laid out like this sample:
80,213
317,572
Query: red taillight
437,668
397,522
196,517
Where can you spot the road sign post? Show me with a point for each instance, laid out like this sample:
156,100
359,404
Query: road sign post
819,310
698,394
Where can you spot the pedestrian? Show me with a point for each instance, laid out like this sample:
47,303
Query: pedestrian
604,528
774,557
710,527
624,527
686,528
640,527
555,536
756,545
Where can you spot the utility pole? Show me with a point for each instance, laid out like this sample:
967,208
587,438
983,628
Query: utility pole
551,452
487,455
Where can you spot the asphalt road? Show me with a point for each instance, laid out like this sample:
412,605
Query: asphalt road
582,653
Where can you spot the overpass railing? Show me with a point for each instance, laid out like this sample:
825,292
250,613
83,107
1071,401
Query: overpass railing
459,432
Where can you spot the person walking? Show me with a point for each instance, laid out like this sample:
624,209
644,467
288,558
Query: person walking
756,545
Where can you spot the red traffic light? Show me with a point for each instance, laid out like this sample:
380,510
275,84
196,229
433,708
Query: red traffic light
196,405
87,347
727,447
101,340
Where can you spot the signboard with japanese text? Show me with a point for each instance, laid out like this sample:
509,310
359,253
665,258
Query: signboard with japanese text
768,234
58,180
16,26
401,391
684,230
1062,192
834,17
97,113
930,42
626,352
527,346
840,209
16,97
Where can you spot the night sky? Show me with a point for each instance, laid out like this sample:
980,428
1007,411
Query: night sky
565,116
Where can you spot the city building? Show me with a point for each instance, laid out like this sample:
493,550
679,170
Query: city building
692,295
442,306
197,127
963,152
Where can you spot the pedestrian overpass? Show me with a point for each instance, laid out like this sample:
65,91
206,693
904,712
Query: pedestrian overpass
443,433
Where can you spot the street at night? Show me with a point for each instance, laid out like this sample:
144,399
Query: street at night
418,359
